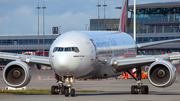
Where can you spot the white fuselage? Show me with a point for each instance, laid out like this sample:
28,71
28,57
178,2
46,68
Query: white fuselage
89,53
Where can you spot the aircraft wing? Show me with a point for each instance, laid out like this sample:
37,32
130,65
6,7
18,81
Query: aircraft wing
25,58
122,64
142,45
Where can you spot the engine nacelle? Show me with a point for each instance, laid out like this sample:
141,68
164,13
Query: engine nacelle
161,73
17,74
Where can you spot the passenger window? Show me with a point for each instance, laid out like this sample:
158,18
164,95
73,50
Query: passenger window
55,49
61,49
67,49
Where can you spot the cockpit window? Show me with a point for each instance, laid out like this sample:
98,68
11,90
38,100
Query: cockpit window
60,49
75,49
55,49
66,49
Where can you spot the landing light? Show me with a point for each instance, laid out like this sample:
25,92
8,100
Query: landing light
69,79
115,63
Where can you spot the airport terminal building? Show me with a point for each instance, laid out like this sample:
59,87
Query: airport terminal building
26,43
155,22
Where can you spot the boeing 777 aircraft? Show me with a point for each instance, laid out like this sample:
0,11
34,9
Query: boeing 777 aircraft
93,54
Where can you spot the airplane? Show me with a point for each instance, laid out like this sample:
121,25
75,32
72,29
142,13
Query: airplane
93,54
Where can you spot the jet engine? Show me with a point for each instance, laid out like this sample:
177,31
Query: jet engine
17,74
161,73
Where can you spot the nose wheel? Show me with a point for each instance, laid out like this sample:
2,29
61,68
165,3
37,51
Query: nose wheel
66,92
72,92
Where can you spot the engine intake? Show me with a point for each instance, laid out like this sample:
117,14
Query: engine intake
17,74
161,74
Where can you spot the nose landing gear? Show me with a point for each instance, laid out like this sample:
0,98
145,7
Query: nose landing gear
66,90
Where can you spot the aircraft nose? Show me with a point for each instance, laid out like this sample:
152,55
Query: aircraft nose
63,60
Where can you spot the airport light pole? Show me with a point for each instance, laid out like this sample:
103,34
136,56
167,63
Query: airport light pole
86,26
43,27
135,20
104,15
59,30
98,13
38,23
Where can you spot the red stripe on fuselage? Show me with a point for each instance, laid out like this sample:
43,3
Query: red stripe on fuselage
123,17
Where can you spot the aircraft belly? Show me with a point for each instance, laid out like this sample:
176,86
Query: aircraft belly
106,72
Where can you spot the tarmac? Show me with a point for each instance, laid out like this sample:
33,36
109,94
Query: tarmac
113,90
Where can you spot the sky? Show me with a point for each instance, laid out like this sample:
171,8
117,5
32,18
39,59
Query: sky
21,16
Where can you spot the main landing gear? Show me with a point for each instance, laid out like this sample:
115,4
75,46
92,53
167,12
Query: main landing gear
65,90
135,89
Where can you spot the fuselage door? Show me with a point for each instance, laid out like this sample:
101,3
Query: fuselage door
92,51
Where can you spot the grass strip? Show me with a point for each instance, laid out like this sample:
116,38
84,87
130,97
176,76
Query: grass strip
29,91
35,91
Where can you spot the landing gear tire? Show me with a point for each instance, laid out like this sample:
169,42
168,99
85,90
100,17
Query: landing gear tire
67,92
54,90
134,89
144,89
63,90
72,92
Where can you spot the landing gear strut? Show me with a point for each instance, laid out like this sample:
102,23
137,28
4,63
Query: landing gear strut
135,89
